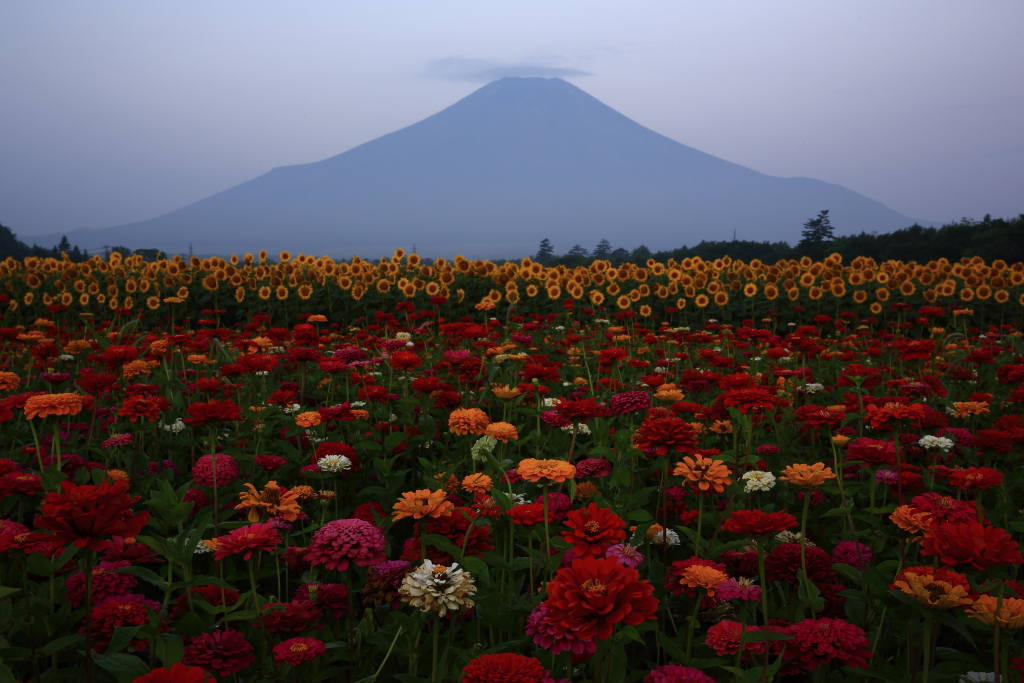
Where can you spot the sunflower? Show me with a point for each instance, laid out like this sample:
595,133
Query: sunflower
815,293
721,298
876,308
702,300
966,294
554,291
531,290
596,297
623,302
680,303
793,294
749,290
983,292
284,256
882,294
305,291
645,311
281,292
83,299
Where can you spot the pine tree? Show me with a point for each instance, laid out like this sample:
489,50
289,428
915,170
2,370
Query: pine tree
618,256
577,250
817,234
545,252
641,254
603,249
63,246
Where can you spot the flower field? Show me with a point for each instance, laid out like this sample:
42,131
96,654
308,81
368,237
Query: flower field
689,472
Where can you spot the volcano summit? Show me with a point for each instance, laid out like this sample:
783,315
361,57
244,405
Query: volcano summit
514,162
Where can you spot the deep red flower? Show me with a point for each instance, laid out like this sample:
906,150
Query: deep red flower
506,667
530,514
666,434
590,596
291,617
225,652
328,596
338,543
295,651
757,399
336,448
148,407
455,527
248,539
973,545
178,673
871,451
758,523
816,642
593,529
84,514
783,564
581,410
976,478
203,413
123,610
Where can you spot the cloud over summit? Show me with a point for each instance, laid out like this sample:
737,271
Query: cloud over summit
487,70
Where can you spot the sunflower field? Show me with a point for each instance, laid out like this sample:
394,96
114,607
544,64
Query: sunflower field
698,472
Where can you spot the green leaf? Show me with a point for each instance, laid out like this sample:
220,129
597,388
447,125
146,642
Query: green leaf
849,572
144,574
5,674
442,543
838,512
125,668
671,649
122,636
170,650
59,644
5,591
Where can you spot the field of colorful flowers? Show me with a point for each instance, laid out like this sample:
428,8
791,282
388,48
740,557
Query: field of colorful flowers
505,473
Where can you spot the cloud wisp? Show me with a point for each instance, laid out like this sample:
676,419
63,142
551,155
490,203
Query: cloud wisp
487,70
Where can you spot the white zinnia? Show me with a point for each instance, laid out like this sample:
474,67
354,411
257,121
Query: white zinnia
813,387
666,536
757,480
940,443
436,588
175,427
334,463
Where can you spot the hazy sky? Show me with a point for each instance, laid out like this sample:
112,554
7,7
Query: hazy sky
112,112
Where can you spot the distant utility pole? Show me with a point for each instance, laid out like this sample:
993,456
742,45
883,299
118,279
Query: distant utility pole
189,251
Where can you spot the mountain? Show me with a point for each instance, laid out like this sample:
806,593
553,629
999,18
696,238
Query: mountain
514,162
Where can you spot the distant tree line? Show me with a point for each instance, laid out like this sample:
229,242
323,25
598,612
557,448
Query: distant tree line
989,238
10,245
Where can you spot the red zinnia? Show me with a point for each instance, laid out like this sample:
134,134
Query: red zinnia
506,667
149,407
581,410
247,539
225,652
530,514
593,529
295,651
971,545
591,596
745,400
665,434
758,523
179,673
976,478
82,514
200,414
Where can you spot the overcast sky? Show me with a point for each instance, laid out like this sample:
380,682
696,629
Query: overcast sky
112,112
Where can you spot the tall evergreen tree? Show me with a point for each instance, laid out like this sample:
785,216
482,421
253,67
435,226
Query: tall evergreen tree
10,245
641,254
603,249
817,234
545,251
577,250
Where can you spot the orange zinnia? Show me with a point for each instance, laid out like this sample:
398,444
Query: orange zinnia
505,392
532,469
502,431
807,475
308,419
468,421
53,404
422,503
1009,615
9,381
704,578
270,501
911,520
704,473
968,408
477,483
932,592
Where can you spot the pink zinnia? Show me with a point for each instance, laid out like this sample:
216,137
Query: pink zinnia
819,641
545,635
629,402
337,543
593,467
724,638
855,554
295,651
267,462
738,589
674,673
227,470
626,555
105,583
226,652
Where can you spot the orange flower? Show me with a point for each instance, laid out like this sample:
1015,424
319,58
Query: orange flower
668,392
704,473
704,578
1010,614
910,520
135,368
502,431
932,592
722,427
477,483
422,503
468,421
270,501
505,392
308,419
117,475
360,414
532,469
840,440
9,381
968,408
807,476
316,318
53,404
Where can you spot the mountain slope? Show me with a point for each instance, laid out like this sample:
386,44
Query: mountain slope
516,161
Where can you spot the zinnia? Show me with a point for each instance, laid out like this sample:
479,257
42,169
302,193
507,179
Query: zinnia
247,539
468,421
178,673
506,667
704,473
271,501
553,470
661,435
593,529
84,513
758,523
225,652
337,543
53,404
295,651
422,503
971,545
807,476
592,595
